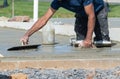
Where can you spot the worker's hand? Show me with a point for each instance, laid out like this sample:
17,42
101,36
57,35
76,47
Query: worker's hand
86,44
24,40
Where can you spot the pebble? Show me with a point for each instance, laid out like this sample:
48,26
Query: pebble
34,73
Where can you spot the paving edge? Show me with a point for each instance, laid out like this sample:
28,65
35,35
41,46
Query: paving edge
61,64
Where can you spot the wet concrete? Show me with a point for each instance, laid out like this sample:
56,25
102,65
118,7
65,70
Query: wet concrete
60,55
62,50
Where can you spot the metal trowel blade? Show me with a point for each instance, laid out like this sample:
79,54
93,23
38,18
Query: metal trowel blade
24,47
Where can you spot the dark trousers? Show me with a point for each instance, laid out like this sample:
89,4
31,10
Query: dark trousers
101,26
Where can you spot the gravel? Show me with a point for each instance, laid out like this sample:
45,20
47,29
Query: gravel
34,73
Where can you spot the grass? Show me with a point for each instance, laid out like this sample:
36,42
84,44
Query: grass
26,8
114,11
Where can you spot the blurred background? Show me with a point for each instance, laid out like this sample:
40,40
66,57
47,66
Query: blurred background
11,8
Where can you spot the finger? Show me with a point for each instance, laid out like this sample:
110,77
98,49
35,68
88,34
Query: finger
25,43
81,45
93,46
22,43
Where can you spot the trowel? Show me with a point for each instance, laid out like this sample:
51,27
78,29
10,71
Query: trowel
24,47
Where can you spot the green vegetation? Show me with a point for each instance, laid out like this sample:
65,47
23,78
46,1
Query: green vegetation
23,7
114,11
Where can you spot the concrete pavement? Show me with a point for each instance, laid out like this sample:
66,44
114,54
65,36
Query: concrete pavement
61,55
113,1
65,26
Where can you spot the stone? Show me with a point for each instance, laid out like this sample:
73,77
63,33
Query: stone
18,76
20,19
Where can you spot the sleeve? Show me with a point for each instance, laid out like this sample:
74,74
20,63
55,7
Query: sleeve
55,4
87,2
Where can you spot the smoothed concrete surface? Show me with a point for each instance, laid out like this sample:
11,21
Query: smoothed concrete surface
62,50
61,55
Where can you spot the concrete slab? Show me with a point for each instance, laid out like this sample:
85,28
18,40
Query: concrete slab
62,50
114,34
60,55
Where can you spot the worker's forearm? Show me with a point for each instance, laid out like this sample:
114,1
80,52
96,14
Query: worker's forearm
41,22
91,25
37,26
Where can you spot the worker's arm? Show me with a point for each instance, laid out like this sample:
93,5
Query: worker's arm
91,24
38,25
